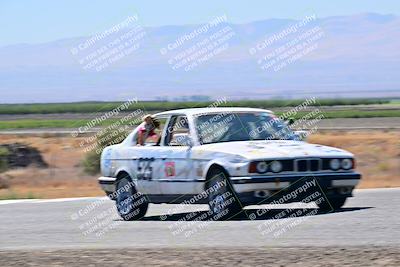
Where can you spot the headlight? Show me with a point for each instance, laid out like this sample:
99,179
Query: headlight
262,167
276,166
347,164
334,164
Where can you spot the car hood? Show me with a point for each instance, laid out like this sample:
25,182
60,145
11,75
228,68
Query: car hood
274,149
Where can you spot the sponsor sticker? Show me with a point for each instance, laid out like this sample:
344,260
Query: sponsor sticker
170,169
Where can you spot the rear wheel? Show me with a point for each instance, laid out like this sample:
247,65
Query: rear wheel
131,205
221,197
331,204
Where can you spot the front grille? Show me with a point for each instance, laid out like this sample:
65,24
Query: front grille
306,165
302,165
314,165
287,165
325,164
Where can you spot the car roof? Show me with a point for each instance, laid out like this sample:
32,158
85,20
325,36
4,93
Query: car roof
209,110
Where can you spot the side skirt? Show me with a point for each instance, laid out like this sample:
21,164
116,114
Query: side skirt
177,199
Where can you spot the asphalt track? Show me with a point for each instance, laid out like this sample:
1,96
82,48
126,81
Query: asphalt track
371,218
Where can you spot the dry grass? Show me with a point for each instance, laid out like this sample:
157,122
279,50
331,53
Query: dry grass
63,178
377,153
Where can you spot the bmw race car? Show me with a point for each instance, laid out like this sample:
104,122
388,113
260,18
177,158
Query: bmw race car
228,158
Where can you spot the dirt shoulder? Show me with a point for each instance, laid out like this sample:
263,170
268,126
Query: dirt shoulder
300,256
377,154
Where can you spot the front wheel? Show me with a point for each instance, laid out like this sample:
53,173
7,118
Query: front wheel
131,205
221,197
331,204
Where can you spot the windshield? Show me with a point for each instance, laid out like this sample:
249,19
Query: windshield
227,127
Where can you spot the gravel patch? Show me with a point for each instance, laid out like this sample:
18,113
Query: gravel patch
299,256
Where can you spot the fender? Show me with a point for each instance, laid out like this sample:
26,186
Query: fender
120,170
220,162
232,166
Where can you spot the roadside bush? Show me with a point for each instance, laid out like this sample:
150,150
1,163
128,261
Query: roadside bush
91,163
106,137
4,183
3,159
19,155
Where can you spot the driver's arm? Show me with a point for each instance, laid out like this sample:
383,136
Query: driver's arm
140,140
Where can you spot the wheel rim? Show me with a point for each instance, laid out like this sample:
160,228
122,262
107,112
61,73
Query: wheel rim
124,199
218,201
216,196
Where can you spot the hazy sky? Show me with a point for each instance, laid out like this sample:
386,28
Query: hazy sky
36,21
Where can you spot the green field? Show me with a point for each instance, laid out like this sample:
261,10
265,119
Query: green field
71,123
359,109
32,124
91,107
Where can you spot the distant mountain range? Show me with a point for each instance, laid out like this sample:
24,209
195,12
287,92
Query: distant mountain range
357,56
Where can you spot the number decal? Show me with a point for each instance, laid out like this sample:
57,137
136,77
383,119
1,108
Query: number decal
145,169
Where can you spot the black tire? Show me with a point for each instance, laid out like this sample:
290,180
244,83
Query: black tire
131,205
111,195
222,199
332,204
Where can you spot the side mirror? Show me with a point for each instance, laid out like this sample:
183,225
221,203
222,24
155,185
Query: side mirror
289,121
301,135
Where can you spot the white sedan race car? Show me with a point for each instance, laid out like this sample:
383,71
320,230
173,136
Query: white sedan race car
227,158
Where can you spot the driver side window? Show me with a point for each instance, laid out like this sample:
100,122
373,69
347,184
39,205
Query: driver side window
178,132
147,136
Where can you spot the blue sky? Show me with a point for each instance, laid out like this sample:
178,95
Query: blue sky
37,21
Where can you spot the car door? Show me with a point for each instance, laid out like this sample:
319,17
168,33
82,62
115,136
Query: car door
175,152
146,167
143,164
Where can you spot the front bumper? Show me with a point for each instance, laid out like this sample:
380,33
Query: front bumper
107,183
251,183
332,185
